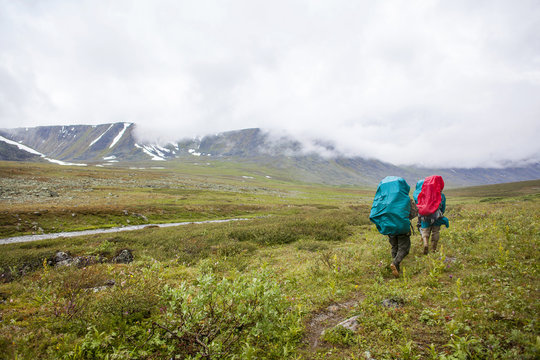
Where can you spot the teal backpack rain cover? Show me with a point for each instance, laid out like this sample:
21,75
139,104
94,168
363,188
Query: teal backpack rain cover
391,206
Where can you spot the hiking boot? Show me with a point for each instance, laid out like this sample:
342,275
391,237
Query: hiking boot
426,249
395,271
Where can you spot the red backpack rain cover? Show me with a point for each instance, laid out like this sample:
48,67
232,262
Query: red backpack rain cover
429,198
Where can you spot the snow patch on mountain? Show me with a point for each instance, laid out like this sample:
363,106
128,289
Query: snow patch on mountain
100,136
32,151
60,162
148,150
21,146
120,134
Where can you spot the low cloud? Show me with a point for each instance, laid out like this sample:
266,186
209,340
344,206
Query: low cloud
434,83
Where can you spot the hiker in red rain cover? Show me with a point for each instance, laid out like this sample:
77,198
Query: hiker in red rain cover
431,204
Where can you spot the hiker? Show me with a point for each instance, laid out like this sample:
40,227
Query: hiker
431,204
391,212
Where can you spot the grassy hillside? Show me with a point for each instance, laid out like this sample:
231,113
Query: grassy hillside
522,188
265,288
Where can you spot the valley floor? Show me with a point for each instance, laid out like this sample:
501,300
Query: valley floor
274,287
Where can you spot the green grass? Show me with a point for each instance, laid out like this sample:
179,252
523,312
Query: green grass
251,289
94,197
499,191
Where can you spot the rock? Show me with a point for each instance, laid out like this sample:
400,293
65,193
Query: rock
393,303
64,263
126,213
82,261
108,284
53,193
64,259
60,256
351,323
61,259
367,354
124,257
141,216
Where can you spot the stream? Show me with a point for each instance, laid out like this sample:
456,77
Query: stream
26,238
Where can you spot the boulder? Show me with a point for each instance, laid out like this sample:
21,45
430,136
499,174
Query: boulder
124,257
82,261
61,259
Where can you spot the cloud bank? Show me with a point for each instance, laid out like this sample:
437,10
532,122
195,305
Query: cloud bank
435,83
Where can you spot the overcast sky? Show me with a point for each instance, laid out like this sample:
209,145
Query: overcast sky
446,83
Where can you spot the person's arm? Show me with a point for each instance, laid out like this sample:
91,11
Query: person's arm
414,210
443,203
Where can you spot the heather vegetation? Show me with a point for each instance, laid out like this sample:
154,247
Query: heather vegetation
273,286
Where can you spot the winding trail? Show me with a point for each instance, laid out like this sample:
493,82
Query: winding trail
27,238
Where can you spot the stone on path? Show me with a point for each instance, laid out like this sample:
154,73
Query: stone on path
350,324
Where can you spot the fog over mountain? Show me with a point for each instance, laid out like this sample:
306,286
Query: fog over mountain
269,154
434,83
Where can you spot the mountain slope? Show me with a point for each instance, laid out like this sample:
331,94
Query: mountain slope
12,152
77,142
116,143
284,153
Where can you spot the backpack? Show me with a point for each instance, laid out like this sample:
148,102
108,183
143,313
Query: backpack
391,206
429,199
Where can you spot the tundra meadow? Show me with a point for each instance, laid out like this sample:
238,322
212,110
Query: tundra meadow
275,284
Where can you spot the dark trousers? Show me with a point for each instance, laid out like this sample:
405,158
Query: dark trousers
401,244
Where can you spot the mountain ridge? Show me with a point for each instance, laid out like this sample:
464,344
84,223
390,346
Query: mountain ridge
117,144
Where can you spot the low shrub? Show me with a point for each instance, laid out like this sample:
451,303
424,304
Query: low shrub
328,226
339,335
224,319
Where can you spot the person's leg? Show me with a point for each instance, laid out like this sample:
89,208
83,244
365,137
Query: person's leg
394,242
425,232
404,246
435,237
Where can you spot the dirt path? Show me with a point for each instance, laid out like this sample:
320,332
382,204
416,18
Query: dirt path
327,318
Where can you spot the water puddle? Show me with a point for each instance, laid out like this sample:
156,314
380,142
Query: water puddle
26,238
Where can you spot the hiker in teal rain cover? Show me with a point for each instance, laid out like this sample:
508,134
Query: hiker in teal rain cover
431,204
391,212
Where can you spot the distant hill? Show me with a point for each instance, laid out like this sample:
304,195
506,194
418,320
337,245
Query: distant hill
522,188
78,143
116,144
